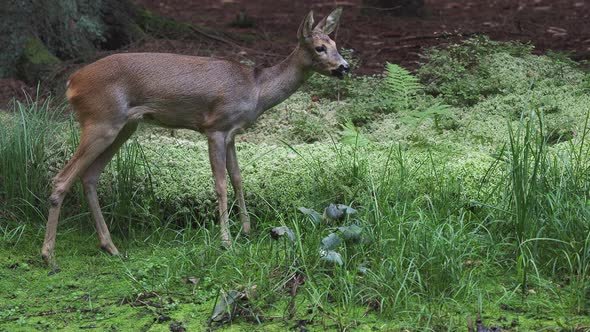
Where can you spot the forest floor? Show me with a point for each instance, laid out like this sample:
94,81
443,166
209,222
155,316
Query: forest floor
440,237
435,192
559,25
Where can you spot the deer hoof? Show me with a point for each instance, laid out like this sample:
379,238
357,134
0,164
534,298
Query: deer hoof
48,256
54,270
50,261
110,248
225,244
246,228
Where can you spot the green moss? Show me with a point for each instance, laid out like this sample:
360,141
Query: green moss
36,61
164,27
429,199
36,53
147,289
467,73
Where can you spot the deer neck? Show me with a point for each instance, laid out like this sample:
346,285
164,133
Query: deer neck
278,82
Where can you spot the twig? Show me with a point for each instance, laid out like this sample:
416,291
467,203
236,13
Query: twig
214,37
379,8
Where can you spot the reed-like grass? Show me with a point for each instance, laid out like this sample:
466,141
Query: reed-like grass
27,140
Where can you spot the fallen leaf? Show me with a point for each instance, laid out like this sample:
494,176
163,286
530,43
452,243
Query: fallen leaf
351,233
332,257
331,241
224,308
277,232
315,216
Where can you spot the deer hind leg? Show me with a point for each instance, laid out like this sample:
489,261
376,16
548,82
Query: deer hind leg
96,138
236,180
217,158
90,179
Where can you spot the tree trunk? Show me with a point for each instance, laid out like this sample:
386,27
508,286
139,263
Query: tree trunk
394,7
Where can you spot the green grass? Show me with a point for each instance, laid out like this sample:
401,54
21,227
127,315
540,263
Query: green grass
476,208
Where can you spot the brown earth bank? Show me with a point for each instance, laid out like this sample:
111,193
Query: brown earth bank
561,25
268,29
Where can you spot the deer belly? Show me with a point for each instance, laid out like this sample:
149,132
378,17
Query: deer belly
170,118
194,118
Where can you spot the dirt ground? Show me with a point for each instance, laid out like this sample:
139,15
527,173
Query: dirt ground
560,25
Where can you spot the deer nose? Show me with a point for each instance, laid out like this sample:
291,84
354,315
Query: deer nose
344,68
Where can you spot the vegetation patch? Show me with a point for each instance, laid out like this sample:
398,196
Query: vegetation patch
402,205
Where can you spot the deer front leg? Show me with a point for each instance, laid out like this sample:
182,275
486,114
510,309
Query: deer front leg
217,158
236,180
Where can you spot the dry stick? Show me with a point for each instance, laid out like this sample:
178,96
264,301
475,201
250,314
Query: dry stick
457,34
337,83
214,37
379,8
230,42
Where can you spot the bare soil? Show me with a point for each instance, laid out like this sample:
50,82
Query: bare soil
559,25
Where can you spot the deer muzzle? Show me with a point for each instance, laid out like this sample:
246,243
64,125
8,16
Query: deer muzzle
341,70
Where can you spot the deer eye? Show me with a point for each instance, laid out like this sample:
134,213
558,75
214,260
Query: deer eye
320,49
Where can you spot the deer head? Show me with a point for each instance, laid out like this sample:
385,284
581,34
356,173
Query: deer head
319,47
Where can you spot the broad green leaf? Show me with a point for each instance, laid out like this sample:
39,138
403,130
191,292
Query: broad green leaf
332,212
351,233
277,232
346,209
315,216
224,307
332,257
331,241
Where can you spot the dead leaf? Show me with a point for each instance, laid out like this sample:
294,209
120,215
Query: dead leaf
191,280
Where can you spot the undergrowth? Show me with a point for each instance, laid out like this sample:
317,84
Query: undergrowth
353,231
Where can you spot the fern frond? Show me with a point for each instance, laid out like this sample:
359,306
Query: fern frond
435,111
403,86
351,135
438,109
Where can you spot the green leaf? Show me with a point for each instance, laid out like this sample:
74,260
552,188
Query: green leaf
315,216
332,257
403,87
277,232
438,109
224,307
346,209
338,211
351,135
331,241
332,212
351,233
363,269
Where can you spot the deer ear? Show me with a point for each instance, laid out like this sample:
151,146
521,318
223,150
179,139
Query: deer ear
306,26
329,23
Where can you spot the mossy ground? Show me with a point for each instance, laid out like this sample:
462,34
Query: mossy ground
143,291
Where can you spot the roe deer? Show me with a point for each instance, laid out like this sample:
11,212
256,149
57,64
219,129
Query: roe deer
215,97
